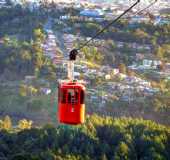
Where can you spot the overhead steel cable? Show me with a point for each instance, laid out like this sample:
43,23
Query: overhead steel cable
142,10
73,53
147,7
109,24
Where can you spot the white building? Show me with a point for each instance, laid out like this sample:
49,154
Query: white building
2,3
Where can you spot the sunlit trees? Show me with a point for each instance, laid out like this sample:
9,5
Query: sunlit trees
122,68
38,35
7,123
160,53
24,124
26,58
141,34
122,152
93,55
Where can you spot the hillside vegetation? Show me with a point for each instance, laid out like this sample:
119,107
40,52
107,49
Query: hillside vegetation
99,138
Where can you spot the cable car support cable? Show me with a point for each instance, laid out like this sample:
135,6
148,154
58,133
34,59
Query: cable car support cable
108,25
115,20
144,9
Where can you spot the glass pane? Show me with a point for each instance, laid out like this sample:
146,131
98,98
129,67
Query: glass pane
73,96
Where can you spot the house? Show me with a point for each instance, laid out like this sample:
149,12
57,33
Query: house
120,44
157,62
66,17
147,62
51,36
29,78
125,98
96,13
52,44
1,41
115,71
2,3
121,76
100,74
133,67
107,76
139,56
167,67
139,19
45,91
76,74
144,83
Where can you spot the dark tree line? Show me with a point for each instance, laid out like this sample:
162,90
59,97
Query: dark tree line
99,138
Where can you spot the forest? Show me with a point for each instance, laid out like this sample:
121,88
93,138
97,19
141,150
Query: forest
20,58
21,52
100,138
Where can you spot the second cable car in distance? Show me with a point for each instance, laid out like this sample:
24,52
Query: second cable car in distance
71,96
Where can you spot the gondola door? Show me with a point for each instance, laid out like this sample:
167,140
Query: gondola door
73,104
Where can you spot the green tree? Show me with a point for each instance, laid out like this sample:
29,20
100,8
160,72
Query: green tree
7,123
39,36
122,152
122,68
141,34
160,53
24,124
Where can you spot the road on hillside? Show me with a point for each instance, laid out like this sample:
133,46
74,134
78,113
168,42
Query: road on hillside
59,37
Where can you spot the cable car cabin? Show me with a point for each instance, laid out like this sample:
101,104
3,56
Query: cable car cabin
71,107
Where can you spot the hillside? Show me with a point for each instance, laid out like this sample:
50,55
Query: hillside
99,138
127,75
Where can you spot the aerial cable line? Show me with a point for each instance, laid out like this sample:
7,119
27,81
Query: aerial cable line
108,25
144,9
74,52
147,7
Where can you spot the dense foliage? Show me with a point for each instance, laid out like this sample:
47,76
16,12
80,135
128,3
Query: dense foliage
100,138
21,50
24,58
20,22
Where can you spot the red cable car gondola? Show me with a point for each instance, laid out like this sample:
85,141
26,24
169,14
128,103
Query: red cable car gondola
71,94
71,102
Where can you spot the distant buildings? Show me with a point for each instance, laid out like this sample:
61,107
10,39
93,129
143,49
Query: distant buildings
139,19
96,13
3,3
146,64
